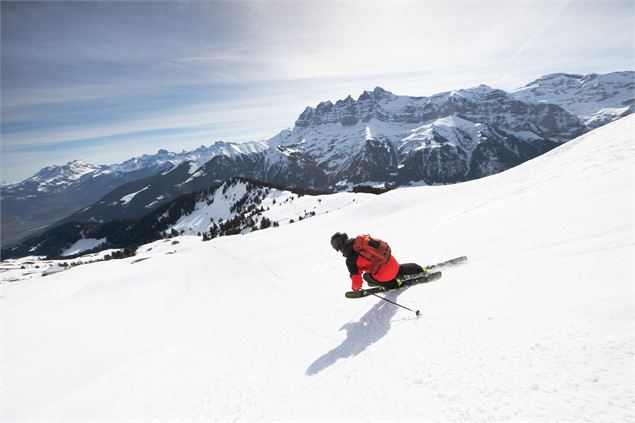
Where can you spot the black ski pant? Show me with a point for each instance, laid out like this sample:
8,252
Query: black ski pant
404,269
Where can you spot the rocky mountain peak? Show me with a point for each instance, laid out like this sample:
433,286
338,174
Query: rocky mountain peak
347,101
559,76
324,106
596,98
376,95
71,171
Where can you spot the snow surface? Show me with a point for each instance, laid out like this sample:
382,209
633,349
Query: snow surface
83,245
538,326
280,206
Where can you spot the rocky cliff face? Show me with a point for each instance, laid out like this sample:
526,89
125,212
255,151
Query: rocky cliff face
596,99
446,138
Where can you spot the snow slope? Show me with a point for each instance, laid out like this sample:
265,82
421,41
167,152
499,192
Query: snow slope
83,245
537,326
278,206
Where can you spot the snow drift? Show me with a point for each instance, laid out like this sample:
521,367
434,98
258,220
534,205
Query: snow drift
538,325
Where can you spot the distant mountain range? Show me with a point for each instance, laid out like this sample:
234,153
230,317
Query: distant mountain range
55,192
378,139
596,99
236,206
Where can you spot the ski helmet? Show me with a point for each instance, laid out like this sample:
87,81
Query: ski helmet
338,239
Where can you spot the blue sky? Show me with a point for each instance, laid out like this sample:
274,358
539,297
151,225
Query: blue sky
104,81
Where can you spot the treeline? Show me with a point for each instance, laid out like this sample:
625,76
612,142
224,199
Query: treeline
246,211
126,234
120,234
373,190
296,190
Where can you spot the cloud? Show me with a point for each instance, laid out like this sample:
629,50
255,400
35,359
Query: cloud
80,76
547,22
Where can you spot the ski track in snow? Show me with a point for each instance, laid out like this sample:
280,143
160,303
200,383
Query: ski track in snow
537,326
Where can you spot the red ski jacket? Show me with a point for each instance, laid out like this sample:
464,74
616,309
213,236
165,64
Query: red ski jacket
358,265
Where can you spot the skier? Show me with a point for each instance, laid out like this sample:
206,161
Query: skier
373,259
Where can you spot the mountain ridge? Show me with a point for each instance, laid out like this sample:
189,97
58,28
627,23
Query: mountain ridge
55,192
380,139
237,206
595,98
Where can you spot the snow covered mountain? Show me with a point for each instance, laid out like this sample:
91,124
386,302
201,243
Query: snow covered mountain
379,139
453,136
237,206
198,157
56,191
136,199
537,326
139,197
55,178
596,99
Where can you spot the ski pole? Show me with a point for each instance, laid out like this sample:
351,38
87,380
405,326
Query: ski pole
417,313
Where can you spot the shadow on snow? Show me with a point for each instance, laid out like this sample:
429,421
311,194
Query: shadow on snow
370,328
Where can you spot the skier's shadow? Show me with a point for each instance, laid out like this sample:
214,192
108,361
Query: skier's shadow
372,326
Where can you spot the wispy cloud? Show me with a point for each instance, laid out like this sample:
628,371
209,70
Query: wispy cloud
104,80
551,19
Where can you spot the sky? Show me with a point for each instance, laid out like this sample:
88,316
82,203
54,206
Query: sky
103,81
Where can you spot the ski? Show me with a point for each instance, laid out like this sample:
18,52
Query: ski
451,262
409,280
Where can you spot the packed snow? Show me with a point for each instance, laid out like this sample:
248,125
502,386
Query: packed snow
537,326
